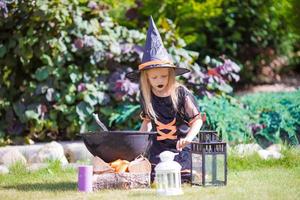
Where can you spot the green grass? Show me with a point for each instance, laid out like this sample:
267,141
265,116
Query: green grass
248,178
291,159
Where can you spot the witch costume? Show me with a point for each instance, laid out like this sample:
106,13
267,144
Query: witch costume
170,124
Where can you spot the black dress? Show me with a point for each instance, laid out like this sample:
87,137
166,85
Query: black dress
171,125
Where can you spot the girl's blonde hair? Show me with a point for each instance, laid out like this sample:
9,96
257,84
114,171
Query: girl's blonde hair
146,92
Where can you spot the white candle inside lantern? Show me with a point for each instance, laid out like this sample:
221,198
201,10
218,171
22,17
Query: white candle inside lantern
167,175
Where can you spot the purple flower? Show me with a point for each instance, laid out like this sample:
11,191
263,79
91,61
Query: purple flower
89,41
222,70
42,109
130,87
92,5
3,8
235,77
122,87
78,43
255,128
109,55
126,87
81,87
231,65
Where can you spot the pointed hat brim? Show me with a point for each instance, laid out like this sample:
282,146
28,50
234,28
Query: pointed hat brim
135,75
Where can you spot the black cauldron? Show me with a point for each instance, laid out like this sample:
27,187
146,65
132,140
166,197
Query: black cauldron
113,145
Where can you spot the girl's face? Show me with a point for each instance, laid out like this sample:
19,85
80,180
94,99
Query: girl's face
158,78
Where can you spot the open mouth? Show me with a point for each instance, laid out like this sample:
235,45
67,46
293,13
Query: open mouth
160,86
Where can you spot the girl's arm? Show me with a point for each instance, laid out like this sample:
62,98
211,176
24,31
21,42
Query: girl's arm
146,126
194,130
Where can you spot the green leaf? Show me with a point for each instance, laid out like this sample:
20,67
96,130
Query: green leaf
50,95
74,77
84,110
57,96
90,99
71,117
62,107
100,97
107,111
71,88
47,60
2,50
2,134
53,114
83,127
125,112
42,73
70,98
91,87
19,109
30,114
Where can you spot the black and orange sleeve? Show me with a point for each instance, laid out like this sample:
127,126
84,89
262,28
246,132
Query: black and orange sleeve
190,108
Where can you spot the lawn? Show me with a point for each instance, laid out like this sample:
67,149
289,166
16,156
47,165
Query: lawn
263,180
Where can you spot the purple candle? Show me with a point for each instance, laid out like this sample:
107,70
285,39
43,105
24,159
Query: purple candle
85,178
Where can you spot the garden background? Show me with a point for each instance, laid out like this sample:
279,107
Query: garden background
62,60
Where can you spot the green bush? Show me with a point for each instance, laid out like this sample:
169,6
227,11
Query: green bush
277,116
62,61
262,35
228,117
57,61
263,118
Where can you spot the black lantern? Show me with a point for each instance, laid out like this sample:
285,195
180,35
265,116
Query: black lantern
209,160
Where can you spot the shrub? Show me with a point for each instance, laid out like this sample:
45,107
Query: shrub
56,74
262,118
62,61
227,116
262,35
277,116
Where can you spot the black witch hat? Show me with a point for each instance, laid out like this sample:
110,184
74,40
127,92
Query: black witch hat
155,55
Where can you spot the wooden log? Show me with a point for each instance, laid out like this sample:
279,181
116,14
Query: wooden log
139,165
99,166
121,180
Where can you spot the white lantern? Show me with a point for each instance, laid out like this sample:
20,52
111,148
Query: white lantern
167,175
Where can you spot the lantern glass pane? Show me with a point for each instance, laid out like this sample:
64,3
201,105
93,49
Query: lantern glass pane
214,169
197,169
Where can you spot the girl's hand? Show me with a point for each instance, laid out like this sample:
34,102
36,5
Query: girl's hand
181,143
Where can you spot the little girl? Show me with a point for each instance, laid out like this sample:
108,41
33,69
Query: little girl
168,107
